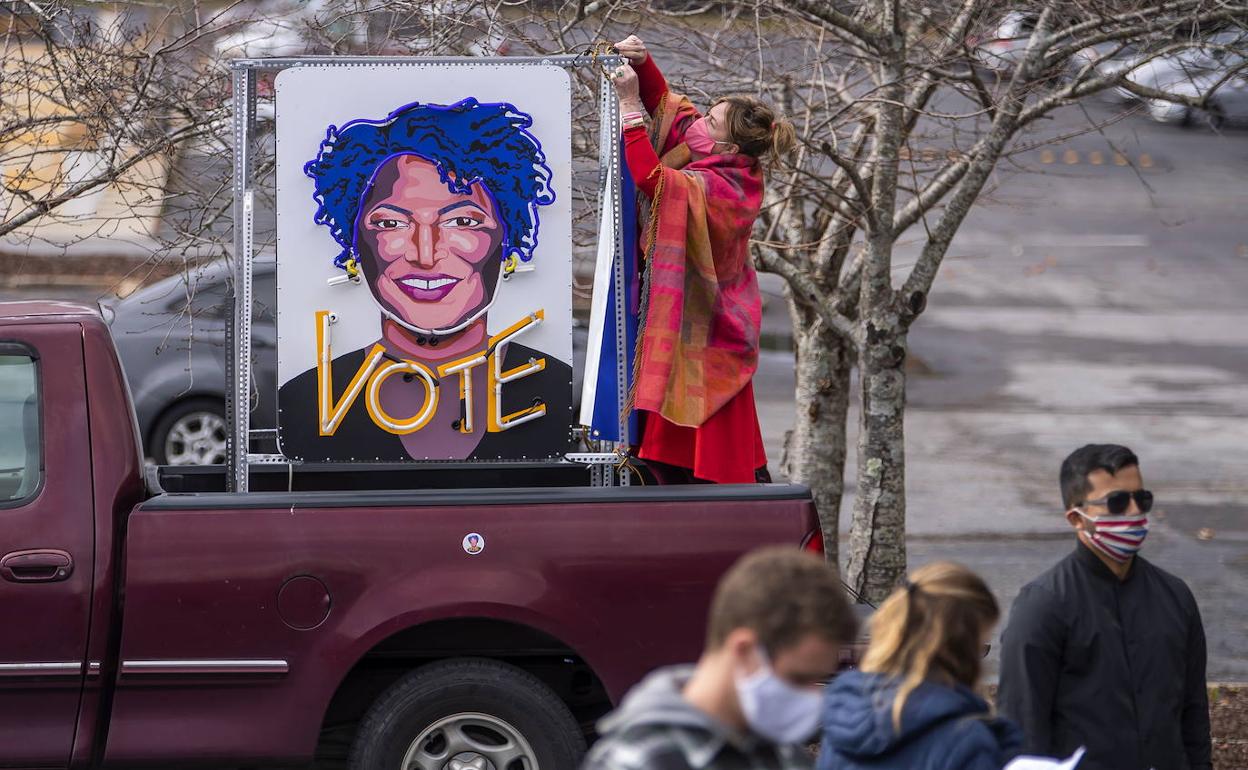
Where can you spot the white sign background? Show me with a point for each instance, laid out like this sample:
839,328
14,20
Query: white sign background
310,99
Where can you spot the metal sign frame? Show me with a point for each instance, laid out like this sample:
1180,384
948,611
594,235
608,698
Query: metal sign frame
605,466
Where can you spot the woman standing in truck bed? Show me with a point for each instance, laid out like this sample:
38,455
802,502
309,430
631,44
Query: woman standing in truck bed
704,179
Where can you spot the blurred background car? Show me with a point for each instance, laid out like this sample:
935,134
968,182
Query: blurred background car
1227,102
260,38
1165,72
1107,59
301,27
171,338
1003,48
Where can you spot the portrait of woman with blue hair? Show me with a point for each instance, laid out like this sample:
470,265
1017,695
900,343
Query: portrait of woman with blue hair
433,207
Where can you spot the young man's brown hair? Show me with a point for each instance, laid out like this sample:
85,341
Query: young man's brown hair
778,622
782,594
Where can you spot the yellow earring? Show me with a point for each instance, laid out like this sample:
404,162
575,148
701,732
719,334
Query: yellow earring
352,266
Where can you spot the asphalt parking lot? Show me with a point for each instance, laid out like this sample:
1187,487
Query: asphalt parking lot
1098,295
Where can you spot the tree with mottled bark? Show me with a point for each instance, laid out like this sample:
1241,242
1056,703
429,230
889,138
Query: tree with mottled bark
905,126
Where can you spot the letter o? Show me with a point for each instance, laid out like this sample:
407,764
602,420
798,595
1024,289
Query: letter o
383,419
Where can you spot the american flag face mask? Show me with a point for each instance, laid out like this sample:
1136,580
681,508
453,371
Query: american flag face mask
1118,537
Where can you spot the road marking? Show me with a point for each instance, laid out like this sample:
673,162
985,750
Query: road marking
929,154
1056,240
1190,328
1071,157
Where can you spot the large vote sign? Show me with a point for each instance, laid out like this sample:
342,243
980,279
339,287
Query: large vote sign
424,262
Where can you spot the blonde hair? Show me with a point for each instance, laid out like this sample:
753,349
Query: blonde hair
932,628
754,127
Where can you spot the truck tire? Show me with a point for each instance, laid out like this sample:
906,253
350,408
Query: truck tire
468,714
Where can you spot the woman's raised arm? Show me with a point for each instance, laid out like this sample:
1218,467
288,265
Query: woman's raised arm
643,162
651,83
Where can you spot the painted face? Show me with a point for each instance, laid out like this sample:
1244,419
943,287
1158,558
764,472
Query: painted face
431,256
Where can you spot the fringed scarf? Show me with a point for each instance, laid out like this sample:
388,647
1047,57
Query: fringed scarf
702,309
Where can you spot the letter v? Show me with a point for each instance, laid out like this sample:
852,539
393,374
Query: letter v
329,412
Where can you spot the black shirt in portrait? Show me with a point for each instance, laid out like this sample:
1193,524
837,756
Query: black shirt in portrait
358,439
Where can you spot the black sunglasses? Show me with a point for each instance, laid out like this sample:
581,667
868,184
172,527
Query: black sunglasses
1118,502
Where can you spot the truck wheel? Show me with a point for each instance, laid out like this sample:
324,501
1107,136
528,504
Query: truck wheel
468,714
192,432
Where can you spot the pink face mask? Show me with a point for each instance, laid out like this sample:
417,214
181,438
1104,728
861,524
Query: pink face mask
699,138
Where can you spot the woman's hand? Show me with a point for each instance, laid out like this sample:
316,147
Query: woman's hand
633,49
624,78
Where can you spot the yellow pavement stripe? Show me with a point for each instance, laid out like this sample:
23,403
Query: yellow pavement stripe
1095,157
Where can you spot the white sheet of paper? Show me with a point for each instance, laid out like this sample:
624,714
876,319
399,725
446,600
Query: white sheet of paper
1044,763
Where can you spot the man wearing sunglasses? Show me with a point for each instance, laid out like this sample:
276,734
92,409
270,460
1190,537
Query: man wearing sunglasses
1107,650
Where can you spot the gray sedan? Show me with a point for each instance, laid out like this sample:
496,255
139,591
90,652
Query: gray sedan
171,337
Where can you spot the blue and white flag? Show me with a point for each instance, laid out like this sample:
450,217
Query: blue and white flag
600,404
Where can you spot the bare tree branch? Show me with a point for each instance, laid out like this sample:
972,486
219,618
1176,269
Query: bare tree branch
826,15
801,282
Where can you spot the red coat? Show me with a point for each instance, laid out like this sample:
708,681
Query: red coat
728,446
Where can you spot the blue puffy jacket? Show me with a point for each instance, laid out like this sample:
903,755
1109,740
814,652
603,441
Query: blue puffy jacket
942,728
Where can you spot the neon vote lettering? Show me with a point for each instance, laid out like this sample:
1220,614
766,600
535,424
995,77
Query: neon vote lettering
369,378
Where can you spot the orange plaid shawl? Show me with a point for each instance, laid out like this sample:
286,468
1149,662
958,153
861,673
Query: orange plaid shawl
702,309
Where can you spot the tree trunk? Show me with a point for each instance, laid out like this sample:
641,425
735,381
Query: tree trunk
877,538
815,449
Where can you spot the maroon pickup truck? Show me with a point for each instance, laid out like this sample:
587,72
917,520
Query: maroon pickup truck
412,617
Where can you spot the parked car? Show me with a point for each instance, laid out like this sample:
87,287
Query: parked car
1003,48
274,36
353,603
1107,59
171,337
1227,102
1166,72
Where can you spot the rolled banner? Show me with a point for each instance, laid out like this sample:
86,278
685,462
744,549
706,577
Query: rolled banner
600,402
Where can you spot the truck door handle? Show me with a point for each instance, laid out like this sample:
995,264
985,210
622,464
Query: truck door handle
45,565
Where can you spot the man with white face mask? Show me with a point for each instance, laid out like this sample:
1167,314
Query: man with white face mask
1106,650
777,623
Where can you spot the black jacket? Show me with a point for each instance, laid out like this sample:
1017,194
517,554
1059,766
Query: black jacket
1117,666
359,440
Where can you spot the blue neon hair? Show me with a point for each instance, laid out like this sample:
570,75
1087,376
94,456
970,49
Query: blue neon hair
469,142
